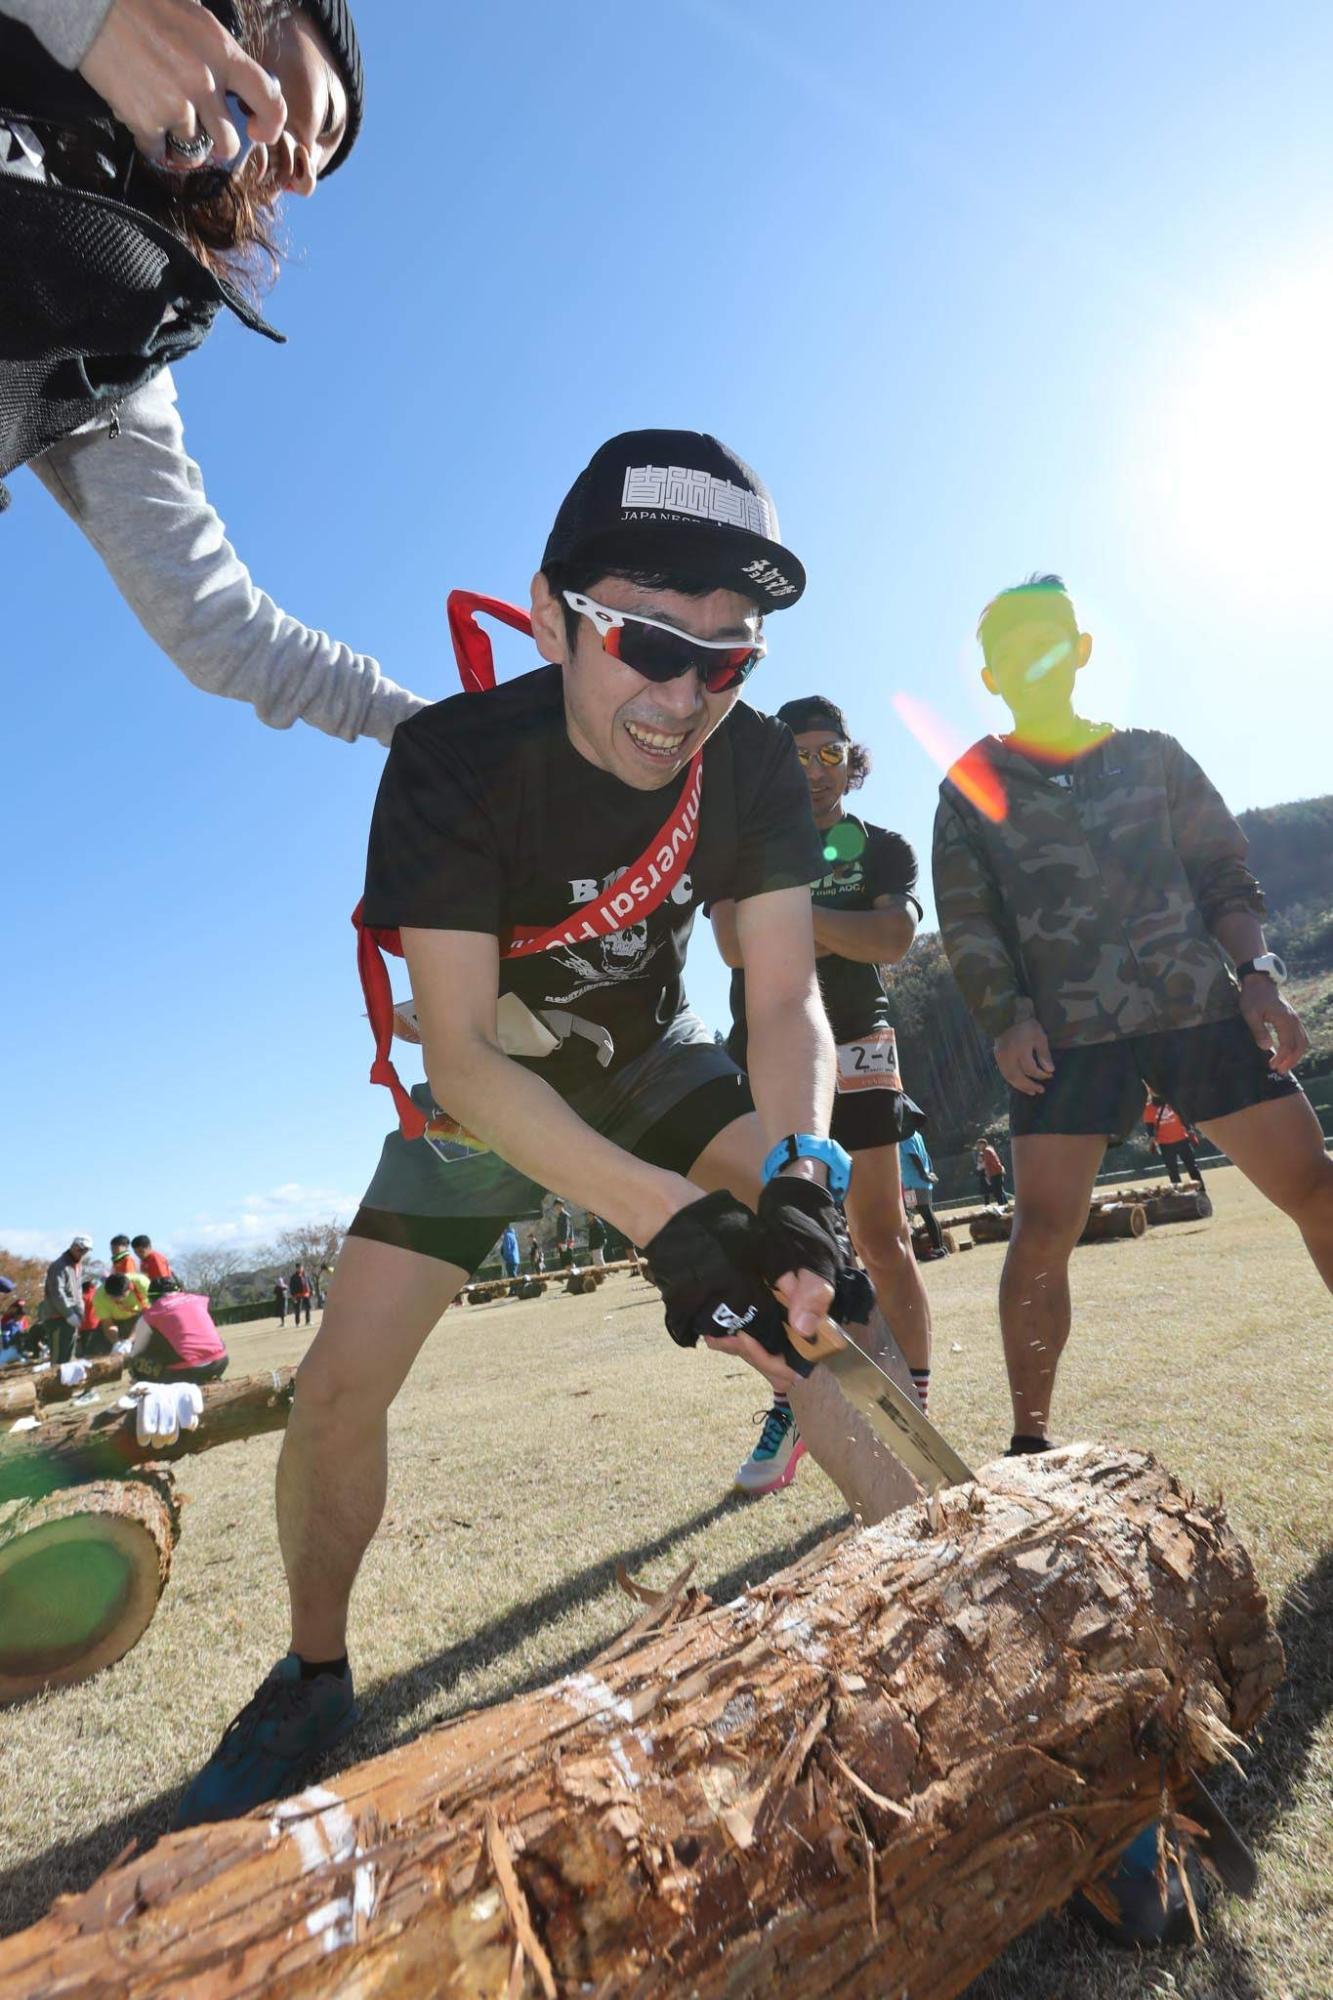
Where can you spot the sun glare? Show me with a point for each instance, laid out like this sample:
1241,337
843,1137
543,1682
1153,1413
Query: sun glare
1241,456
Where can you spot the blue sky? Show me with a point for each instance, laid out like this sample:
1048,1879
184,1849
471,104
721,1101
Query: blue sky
978,291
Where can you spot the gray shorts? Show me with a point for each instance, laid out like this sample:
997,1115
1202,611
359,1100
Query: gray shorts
664,1106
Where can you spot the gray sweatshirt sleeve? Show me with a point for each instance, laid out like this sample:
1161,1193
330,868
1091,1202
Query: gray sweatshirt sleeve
66,29
139,498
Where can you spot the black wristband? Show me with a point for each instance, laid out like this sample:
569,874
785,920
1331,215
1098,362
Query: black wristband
800,1229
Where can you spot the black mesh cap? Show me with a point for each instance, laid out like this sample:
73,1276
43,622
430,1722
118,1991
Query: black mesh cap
333,18
677,501
814,711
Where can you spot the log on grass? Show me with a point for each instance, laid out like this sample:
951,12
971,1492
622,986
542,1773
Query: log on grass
69,1447
1178,1205
81,1572
991,1226
862,1778
1115,1219
18,1397
104,1368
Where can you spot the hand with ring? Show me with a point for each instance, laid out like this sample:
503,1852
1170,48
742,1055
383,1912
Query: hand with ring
166,69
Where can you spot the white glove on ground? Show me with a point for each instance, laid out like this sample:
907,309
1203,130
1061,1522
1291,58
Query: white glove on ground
122,1347
73,1374
166,1409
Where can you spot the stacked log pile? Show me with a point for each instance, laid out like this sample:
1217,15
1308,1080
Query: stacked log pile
576,1279
1127,1212
862,1778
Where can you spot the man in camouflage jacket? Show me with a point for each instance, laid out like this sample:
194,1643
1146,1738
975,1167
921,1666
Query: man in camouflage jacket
1104,930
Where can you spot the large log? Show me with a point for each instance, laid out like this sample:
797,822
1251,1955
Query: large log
1113,1219
862,1778
81,1572
73,1446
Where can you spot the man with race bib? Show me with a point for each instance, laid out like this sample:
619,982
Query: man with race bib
865,915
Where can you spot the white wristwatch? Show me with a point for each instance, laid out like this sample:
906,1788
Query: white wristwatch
1267,962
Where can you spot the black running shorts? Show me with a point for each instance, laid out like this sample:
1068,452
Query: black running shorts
1205,1072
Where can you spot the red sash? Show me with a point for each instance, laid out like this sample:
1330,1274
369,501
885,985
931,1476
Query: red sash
645,884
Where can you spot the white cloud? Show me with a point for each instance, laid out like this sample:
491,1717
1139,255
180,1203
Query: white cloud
32,1242
258,1217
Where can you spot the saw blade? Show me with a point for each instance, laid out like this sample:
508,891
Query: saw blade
896,1417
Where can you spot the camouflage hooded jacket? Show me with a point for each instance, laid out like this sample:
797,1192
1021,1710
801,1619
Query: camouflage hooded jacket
1090,902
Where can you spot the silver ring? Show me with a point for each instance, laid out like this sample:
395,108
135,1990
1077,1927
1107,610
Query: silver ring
190,149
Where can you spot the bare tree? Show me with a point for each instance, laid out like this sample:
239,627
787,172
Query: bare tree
314,1244
207,1267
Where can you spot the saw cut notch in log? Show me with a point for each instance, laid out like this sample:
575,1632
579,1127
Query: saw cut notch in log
862,1778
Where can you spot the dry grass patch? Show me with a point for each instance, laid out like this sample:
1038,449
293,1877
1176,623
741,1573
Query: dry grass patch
537,1444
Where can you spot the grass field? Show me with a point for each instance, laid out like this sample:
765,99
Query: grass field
538,1444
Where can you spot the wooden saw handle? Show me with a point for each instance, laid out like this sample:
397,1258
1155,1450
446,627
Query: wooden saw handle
817,1346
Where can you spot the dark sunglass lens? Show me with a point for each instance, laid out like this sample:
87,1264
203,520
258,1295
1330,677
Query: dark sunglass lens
657,655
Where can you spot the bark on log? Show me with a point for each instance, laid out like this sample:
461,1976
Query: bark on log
19,1397
73,1446
990,1228
105,1368
1178,1205
1113,1219
862,1778
80,1576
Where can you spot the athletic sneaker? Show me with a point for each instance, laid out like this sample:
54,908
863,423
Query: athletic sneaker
1132,1886
773,1462
265,1752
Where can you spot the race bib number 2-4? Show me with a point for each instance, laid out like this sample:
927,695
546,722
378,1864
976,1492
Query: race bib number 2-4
869,1063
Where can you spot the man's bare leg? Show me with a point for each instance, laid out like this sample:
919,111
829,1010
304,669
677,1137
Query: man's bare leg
1054,1175
333,1470
883,1238
872,1481
1279,1146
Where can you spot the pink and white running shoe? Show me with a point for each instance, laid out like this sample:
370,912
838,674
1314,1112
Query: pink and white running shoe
773,1462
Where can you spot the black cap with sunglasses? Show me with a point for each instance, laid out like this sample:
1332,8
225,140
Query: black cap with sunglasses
814,711
679,502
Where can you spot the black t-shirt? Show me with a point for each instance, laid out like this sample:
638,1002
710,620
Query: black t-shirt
875,863
489,820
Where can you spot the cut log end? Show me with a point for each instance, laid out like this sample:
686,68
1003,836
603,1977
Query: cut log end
81,1573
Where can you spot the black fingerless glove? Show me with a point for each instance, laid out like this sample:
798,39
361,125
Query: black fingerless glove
707,1264
800,1228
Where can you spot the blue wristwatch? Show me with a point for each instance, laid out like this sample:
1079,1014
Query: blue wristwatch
806,1146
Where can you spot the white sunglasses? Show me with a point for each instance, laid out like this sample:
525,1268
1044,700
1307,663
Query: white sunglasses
663,652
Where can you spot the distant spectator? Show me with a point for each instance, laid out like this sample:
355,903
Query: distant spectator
177,1341
536,1256
62,1301
280,1299
990,1172
509,1257
596,1240
1173,1139
14,1329
151,1262
918,1179
564,1234
122,1257
299,1289
117,1304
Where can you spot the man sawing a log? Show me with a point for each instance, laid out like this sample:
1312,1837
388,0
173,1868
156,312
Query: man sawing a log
538,852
